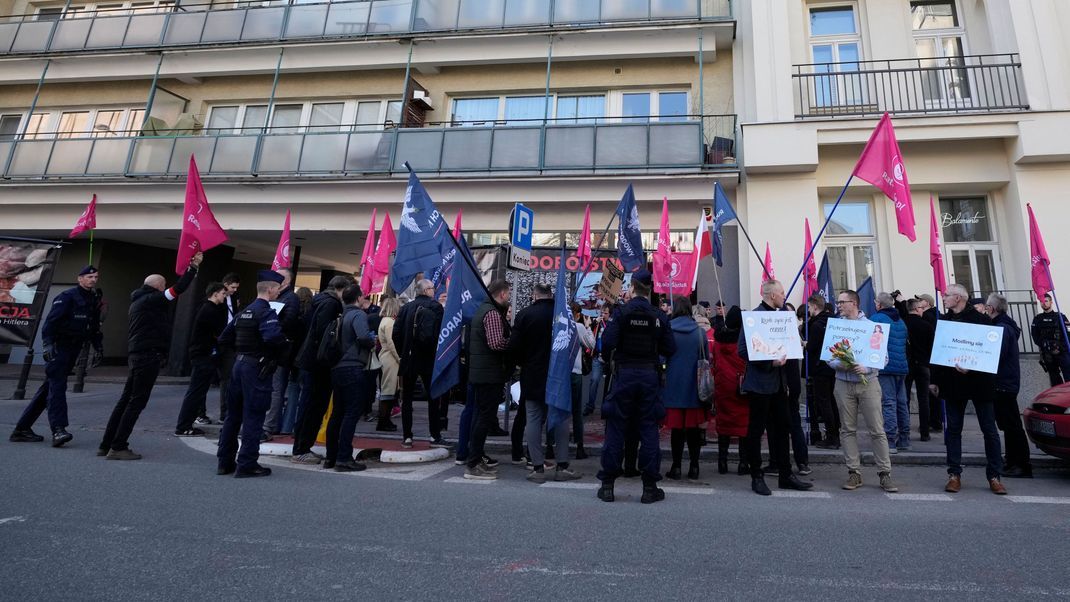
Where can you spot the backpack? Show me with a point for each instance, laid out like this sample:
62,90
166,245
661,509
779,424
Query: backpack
424,329
330,350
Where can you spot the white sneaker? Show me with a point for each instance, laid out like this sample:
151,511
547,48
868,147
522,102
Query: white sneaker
480,473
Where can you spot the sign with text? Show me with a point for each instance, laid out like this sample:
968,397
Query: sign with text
968,346
521,234
868,341
25,273
772,335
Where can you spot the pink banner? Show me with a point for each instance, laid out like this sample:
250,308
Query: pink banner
88,219
1038,257
200,230
282,252
936,255
881,164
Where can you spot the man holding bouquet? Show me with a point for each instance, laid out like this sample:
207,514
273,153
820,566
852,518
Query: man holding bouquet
857,390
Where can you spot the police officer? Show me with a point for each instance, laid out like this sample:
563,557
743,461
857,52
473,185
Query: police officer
638,334
1049,334
73,320
257,338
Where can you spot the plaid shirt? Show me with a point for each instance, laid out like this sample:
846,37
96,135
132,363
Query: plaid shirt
492,324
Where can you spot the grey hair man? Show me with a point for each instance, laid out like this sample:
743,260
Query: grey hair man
1008,383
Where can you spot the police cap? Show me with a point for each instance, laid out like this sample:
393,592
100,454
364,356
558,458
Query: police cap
269,276
643,277
87,270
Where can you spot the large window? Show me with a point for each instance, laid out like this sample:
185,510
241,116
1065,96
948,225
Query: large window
940,43
970,246
310,116
73,123
851,245
836,47
626,106
580,109
102,9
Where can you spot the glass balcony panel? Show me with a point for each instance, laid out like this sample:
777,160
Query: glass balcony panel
30,158
527,12
466,149
69,157
5,148
32,36
575,11
306,20
516,148
621,146
185,28
145,30
421,148
7,35
675,144
324,153
280,153
223,25
481,13
71,34
673,9
348,18
234,154
436,15
109,156
263,23
200,147
624,10
151,155
390,16
369,151
569,146
107,32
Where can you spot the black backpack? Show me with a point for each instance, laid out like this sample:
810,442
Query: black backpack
330,350
424,329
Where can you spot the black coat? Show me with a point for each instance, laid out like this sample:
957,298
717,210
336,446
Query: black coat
530,343
150,316
973,384
325,308
1009,373
416,358
815,344
207,326
920,332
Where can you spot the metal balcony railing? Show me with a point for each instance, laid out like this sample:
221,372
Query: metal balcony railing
527,146
190,24
975,83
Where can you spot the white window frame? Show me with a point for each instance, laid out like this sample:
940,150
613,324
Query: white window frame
53,115
972,247
839,97
125,7
614,102
938,36
851,241
349,114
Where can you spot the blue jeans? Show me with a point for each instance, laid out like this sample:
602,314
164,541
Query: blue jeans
597,368
464,430
986,419
896,409
297,394
350,401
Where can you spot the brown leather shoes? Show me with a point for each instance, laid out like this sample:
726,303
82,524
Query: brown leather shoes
954,483
997,487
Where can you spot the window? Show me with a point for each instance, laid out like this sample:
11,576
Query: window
9,126
73,124
52,13
475,111
36,126
286,116
222,119
635,107
580,109
835,20
672,106
525,110
109,9
303,116
965,220
940,41
851,245
836,48
851,219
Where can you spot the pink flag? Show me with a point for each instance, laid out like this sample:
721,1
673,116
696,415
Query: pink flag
380,263
663,252
200,230
936,256
881,164
583,251
367,256
282,252
457,225
810,272
1038,256
768,273
680,276
88,219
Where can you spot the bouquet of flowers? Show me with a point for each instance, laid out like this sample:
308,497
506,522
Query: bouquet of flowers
843,353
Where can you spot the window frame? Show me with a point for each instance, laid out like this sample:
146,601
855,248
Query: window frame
51,117
613,106
849,242
304,126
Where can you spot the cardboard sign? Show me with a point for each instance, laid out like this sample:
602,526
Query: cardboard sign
772,335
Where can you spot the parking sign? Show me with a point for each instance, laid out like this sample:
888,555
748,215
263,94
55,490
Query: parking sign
521,230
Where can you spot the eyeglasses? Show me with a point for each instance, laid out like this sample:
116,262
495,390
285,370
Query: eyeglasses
843,302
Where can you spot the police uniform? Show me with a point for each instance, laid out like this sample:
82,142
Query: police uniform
258,341
638,334
1048,332
73,319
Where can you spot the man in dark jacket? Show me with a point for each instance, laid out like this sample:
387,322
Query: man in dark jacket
205,358
416,337
489,368
289,313
920,333
348,378
959,386
1008,383
895,402
1049,334
822,378
326,307
147,345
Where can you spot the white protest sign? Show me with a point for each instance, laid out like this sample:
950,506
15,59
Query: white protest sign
772,335
968,346
868,341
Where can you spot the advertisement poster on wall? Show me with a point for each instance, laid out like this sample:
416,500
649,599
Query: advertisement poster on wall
25,273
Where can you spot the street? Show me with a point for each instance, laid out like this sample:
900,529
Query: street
166,527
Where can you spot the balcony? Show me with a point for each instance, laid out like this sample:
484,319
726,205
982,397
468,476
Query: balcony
573,146
189,25
966,84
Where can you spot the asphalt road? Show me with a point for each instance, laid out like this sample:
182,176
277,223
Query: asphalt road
76,526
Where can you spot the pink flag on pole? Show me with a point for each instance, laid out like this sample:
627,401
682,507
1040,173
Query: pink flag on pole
881,164
457,225
583,251
810,285
380,263
768,273
663,252
936,256
1038,257
367,257
88,219
200,230
282,252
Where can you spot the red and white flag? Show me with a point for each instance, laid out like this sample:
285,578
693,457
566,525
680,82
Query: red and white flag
367,257
936,256
88,219
380,263
282,252
1038,257
583,251
200,230
881,164
703,246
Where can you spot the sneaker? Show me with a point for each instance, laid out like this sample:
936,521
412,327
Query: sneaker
490,462
893,451
60,437
320,456
308,458
407,443
461,461
854,481
190,433
395,412
439,442
537,476
906,449
203,420
479,473
122,454
887,484
26,436
564,474
804,469
519,461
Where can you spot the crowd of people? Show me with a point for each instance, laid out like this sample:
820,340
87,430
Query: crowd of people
281,358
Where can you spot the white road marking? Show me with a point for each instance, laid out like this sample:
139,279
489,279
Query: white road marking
568,485
12,519
809,494
690,490
1038,499
469,481
919,497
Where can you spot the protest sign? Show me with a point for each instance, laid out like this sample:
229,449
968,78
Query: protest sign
968,346
868,341
771,335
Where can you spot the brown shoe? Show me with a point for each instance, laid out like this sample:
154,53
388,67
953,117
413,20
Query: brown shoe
997,487
954,483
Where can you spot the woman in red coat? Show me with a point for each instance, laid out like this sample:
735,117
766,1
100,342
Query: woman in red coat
733,411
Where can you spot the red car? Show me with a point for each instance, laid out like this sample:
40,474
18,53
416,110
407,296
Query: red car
1047,421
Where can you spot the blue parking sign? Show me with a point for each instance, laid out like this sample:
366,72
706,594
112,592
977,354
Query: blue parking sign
521,233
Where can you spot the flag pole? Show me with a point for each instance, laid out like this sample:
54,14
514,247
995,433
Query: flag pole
467,260
590,264
91,230
761,261
821,233
1055,298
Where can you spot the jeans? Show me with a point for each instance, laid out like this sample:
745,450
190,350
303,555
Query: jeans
577,410
771,410
537,412
928,415
52,394
855,398
986,419
279,382
464,429
350,401
297,392
895,405
597,370
226,369
200,380
310,418
144,368
487,397
249,399
1009,420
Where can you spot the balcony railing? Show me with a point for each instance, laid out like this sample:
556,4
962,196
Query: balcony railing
521,147
200,24
975,83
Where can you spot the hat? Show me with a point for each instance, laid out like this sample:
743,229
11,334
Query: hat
269,276
977,301
721,303
87,270
643,277
705,304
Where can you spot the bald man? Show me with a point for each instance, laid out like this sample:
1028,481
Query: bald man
148,341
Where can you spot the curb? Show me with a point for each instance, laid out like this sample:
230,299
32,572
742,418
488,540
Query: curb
434,454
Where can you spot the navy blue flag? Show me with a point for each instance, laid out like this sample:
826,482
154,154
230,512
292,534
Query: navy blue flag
463,298
867,298
629,238
824,280
420,237
442,274
722,214
562,354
